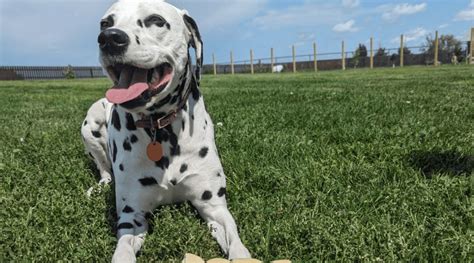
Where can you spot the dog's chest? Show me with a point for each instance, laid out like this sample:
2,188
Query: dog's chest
188,148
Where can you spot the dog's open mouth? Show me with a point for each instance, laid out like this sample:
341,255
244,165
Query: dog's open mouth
130,82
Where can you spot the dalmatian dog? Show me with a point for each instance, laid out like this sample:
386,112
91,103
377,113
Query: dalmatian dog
152,133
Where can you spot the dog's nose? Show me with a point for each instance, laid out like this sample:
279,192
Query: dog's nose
113,41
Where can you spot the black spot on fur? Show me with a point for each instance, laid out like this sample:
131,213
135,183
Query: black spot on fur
137,39
194,90
139,23
116,120
221,192
207,195
137,223
160,104
174,99
175,150
127,209
219,174
96,134
173,182
126,145
184,168
182,123
205,122
164,163
90,154
121,167
125,226
162,135
147,181
203,152
133,138
130,122
168,26
114,151
85,123
192,117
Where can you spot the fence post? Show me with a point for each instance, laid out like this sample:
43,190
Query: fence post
371,53
472,46
402,63
436,49
343,56
251,62
214,66
232,69
294,59
272,59
315,57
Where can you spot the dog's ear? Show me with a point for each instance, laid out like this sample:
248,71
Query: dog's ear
195,42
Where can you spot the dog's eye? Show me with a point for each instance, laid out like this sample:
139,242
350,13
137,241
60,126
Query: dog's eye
107,22
155,20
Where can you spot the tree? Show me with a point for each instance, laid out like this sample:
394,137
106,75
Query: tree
69,72
381,52
406,51
362,50
359,53
448,47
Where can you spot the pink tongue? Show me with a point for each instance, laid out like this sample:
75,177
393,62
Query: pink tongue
119,96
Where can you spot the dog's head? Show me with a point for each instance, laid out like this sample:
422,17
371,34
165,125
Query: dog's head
144,49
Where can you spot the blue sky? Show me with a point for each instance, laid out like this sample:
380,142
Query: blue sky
61,32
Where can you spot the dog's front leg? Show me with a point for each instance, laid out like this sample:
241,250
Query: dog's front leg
223,228
131,231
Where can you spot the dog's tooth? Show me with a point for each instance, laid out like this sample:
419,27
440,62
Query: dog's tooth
156,76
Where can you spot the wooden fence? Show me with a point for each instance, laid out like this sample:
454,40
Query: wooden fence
400,56
38,73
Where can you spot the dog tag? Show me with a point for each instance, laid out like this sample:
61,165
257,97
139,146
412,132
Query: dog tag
154,151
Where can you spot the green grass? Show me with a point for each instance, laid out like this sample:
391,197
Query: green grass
341,166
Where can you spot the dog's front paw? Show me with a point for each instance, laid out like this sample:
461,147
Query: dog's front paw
125,251
237,250
98,188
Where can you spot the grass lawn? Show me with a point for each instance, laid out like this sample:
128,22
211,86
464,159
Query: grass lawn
346,166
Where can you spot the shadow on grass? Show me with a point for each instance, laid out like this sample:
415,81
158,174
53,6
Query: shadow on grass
442,162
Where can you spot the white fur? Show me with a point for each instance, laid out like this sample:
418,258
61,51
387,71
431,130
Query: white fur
202,173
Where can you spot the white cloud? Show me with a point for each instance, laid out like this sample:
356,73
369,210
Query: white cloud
443,26
350,3
304,38
467,14
345,27
309,14
414,35
392,13
220,15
